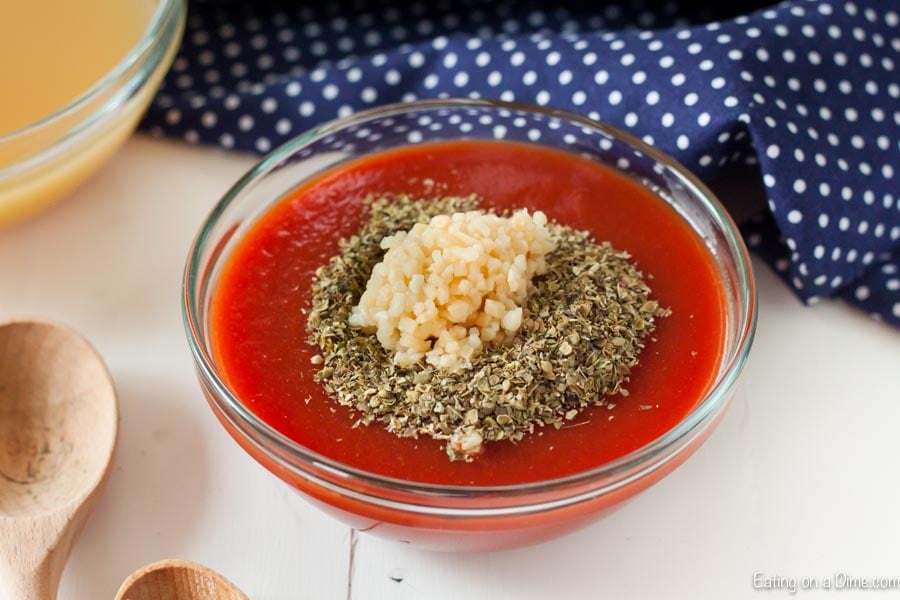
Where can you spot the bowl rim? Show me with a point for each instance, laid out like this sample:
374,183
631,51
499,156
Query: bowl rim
156,27
299,459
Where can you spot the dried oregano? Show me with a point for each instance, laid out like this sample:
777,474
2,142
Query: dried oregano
587,317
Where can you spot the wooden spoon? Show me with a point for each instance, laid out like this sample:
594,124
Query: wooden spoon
58,428
178,580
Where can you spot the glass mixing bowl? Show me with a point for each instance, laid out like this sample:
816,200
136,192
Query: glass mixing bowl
466,518
47,159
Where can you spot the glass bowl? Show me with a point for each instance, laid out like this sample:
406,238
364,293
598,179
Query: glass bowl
47,159
466,518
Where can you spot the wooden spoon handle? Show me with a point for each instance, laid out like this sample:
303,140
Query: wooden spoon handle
21,584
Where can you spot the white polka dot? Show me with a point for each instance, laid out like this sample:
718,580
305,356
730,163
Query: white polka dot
209,119
823,220
269,105
666,61
631,119
601,77
667,120
799,186
330,91
283,126
682,142
292,89
542,98
795,216
678,79
615,97
369,95
416,59
703,119
307,108
353,75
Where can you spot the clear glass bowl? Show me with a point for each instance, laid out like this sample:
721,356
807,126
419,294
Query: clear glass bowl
458,517
49,158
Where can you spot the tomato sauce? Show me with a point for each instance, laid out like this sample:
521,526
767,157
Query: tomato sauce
258,325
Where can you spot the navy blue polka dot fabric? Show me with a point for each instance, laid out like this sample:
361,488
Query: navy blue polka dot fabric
803,94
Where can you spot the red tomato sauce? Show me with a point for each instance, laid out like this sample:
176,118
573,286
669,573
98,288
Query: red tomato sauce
258,327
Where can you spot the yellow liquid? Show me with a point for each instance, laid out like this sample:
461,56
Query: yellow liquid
52,51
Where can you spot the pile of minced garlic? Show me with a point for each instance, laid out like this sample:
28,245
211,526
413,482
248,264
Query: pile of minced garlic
443,319
447,288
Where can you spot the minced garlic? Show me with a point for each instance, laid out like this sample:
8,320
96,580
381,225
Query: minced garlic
447,288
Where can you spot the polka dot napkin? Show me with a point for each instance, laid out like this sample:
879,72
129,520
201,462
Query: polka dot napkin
803,94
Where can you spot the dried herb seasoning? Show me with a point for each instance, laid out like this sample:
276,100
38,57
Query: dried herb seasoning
586,320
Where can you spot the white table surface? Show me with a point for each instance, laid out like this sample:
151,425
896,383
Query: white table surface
801,479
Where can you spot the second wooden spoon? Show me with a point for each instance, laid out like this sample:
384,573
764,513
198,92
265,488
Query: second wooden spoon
178,580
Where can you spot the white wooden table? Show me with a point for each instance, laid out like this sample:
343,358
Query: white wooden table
800,480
